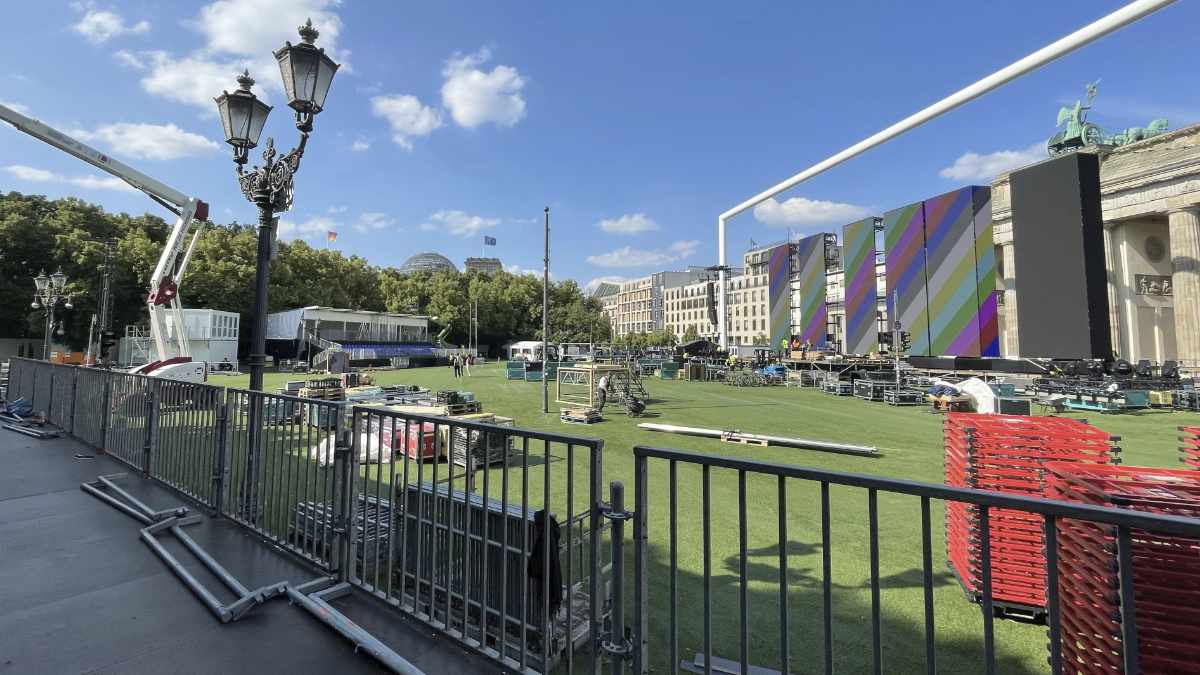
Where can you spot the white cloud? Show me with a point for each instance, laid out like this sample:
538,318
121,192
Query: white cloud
35,175
196,80
458,223
803,212
129,59
475,97
316,227
253,27
627,256
360,145
407,116
372,220
100,26
591,286
337,209
149,141
236,37
24,110
517,269
628,224
973,166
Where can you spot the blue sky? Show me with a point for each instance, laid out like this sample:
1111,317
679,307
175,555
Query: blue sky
637,123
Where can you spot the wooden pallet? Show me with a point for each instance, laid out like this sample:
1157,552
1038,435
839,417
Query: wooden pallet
324,394
468,408
743,440
579,415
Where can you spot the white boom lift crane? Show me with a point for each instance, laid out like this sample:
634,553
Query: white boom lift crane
168,274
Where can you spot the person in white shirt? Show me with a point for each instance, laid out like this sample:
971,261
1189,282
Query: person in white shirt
601,392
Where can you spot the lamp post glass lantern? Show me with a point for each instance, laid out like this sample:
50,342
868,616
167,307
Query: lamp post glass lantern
307,73
47,292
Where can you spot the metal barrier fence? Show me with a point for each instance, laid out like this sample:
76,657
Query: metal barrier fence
500,547
279,454
767,565
91,402
190,422
131,417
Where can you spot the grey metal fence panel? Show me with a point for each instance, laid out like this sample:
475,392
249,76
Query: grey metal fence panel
188,434
709,623
448,524
43,383
20,379
130,417
90,405
280,472
62,395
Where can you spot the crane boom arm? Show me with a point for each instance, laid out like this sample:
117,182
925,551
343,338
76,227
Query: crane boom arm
47,134
168,273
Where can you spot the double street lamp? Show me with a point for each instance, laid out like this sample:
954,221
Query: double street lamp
307,72
47,292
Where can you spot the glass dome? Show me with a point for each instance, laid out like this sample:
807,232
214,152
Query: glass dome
426,261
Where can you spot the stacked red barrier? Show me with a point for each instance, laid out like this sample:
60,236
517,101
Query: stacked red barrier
1166,571
1189,452
1006,453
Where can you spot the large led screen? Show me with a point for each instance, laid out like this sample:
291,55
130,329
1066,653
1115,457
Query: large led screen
858,261
810,261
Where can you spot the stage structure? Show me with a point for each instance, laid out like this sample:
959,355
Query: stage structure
960,268
779,292
907,301
1051,52
861,289
810,265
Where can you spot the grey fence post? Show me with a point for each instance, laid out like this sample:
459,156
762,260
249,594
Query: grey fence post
641,591
341,552
151,425
221,468
105,405
74,400
616,644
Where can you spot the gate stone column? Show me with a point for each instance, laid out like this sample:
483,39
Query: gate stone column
1185,281
1012,347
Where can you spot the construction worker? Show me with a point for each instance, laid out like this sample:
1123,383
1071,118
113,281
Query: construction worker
601,393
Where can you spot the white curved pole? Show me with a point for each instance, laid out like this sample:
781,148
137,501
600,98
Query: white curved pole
1089,33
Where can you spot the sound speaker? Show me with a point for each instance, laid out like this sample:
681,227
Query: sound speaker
1058,240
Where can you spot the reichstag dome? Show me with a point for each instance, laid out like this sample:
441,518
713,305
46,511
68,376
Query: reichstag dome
426,261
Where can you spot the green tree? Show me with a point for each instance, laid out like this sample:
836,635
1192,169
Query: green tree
690,335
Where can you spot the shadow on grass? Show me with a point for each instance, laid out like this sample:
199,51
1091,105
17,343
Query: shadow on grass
903,632
768,572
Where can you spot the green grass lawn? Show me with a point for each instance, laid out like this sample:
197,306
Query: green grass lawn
910,441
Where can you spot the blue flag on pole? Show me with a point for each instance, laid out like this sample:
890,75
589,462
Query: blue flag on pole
489,241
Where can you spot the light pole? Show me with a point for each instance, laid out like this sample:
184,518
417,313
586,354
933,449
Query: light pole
307,72
47,291
546,315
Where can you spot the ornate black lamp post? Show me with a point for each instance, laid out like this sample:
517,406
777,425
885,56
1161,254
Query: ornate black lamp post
307,72
48,290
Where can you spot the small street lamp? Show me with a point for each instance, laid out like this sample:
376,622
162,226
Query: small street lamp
307,73
47,292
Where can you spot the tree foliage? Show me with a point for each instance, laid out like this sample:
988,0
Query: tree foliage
38,233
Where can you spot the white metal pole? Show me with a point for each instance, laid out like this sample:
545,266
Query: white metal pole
1086,35
546,314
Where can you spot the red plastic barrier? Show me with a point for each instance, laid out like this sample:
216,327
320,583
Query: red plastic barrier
1166,570
1007,453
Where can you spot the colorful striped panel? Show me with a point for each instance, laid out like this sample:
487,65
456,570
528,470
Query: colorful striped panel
985,274
904,241
950,270
779,272
858,260
811,260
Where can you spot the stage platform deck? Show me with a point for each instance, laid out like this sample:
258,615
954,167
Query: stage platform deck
80,593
